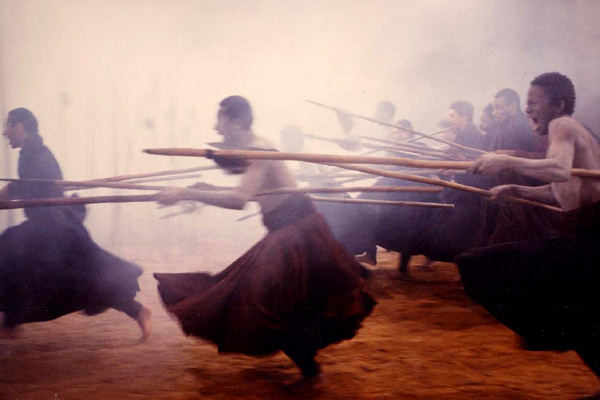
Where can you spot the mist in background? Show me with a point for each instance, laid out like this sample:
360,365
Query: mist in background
109,78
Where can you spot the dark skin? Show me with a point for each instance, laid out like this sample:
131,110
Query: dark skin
260,175
570,145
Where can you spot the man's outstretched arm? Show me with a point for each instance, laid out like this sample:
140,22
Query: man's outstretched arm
556,167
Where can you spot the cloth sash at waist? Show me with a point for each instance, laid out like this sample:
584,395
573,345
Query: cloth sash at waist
294,209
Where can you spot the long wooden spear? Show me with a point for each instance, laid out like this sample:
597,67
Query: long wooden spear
399,149
285,190
309,157
415,139
380,202
138,181
405,145
330,158
324,158
449,143
383,189
70,201
165,178
440,182
159,173
87,184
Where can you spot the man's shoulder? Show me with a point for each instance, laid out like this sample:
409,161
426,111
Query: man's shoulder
261,143
566,123
568,128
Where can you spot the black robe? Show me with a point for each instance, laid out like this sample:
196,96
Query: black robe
544,290
49,265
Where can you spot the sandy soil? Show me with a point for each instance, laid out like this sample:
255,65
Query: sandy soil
424,340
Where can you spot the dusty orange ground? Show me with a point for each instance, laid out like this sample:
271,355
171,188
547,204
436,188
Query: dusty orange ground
425,340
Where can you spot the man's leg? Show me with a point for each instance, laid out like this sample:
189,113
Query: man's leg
304,360
138,312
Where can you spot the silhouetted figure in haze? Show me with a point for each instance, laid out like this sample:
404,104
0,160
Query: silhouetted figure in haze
49,265
460,118
514,132
488,126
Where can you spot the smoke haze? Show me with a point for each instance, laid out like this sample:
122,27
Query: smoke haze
109,78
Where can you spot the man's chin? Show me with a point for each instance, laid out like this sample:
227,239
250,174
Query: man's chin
541,130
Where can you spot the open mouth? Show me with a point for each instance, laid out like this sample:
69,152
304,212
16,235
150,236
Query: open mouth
534,124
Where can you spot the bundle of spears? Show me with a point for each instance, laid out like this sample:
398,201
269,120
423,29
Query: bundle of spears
349,162
431,159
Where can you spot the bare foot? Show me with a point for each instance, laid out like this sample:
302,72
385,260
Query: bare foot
143,321
366,258
306,385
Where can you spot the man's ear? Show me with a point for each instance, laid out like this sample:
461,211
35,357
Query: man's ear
237,123
19,127
559,107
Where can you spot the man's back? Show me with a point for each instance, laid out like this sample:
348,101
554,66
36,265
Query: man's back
576,191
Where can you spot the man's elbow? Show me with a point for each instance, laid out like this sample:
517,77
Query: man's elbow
238,202
561,175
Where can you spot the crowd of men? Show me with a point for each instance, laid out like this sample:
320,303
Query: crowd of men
299,290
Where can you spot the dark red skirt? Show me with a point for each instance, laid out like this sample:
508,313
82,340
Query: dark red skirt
296,287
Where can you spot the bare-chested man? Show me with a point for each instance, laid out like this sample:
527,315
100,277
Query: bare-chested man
547,290
570,146
296,290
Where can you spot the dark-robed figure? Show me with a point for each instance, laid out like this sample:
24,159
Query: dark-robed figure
49,265
296,290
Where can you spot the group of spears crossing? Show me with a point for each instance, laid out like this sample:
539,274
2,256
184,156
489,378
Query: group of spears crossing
516,204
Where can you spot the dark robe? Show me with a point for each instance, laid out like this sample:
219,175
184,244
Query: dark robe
470,136
49,265
296,290
544,290
516,134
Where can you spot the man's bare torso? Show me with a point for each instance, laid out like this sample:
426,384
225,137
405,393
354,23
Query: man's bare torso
577,191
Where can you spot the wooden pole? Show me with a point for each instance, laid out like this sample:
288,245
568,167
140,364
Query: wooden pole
384,189
404,144
330,158
412,140
449,143
309,157
120,185
70,201
88,184
152,174
440,182
381,202
165,178
396,148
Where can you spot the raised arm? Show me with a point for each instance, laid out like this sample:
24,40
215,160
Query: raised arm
556,167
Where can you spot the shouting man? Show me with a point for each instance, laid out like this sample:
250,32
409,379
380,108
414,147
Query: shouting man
546,290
